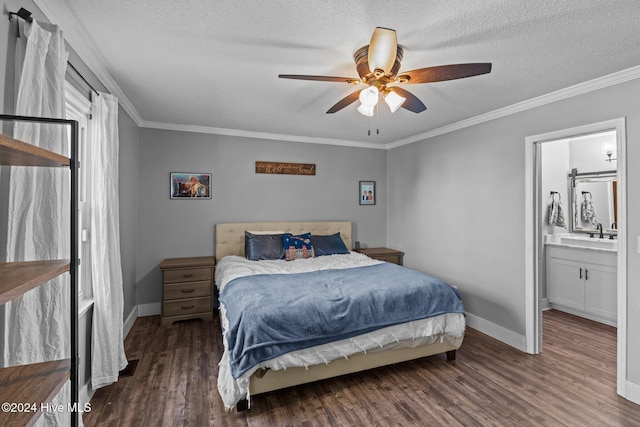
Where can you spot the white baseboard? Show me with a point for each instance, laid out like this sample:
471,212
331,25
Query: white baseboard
153,309
632,392
129,321
496,331
585,315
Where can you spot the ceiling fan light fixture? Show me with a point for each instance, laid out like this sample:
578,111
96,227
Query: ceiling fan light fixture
394,101
369,96
378,66
366,110
383,49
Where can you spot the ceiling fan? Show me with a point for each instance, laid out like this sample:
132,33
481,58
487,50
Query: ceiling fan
378,65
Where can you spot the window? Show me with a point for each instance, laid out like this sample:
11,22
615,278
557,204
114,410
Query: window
78,107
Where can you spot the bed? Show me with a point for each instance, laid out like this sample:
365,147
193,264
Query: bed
359,347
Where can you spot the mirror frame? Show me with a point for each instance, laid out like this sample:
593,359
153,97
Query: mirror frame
574,209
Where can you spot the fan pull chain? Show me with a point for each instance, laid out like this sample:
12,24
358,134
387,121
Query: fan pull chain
371,119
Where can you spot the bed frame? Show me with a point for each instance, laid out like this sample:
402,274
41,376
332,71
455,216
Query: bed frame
230,241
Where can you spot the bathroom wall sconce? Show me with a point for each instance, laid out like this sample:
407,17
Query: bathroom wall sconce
609,158
609,152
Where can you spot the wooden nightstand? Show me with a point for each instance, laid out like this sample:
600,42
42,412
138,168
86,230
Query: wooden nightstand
383,254
187,289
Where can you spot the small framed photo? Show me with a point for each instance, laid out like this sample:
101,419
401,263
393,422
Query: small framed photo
367,193
193,185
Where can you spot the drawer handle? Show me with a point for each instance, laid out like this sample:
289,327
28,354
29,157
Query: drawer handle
188,307
187,291
187,275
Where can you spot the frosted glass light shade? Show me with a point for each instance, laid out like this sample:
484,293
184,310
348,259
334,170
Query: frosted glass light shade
394,101
366,110
383,49
369,96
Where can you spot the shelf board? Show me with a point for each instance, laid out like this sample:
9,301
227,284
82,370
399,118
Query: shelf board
16,278
18,153
36,384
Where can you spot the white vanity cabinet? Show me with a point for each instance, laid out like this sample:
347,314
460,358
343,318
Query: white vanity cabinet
583,281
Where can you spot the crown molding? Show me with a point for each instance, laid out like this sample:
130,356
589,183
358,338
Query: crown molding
259,135
77,38
75,35
559,95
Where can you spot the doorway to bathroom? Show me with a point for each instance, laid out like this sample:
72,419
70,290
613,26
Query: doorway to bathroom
573,151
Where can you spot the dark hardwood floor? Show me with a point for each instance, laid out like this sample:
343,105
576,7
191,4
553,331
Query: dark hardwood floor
572,383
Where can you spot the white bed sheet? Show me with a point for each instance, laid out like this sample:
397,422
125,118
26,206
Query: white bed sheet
233,266
446,327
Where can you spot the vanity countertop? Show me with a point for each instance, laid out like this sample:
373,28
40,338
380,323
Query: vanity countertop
582,242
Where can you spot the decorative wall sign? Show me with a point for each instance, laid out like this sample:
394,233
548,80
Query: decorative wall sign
286,168
367,194
190,185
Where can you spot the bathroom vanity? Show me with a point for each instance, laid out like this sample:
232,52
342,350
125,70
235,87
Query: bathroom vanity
581,275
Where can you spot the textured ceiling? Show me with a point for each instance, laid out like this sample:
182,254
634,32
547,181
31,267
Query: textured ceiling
215,64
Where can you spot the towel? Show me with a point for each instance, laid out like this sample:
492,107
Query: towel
589,212
556,214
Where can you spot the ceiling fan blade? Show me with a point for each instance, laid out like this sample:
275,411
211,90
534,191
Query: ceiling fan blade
411,103
445,72
319,78
383,49
347,100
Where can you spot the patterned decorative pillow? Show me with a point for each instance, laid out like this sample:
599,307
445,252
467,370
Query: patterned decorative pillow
297,247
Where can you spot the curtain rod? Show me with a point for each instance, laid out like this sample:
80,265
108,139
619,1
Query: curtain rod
26,15
82,77
22,13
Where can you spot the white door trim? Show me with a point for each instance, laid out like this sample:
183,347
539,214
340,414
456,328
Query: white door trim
532,238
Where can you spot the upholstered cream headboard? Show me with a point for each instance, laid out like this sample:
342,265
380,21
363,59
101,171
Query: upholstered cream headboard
230,236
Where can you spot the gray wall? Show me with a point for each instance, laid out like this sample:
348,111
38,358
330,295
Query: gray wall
129,135
178,228
456,205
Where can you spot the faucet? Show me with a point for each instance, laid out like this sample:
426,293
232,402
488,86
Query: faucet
613,234
599,226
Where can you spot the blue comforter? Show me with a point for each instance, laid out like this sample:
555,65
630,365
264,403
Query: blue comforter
273,314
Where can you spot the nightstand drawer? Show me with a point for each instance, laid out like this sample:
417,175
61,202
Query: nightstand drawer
187,275
187,290
187,306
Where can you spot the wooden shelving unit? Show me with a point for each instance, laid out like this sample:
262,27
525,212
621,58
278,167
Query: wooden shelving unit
18,153
35,385
16,278
39,383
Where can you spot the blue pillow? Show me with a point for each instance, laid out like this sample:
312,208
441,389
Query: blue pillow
263,246
296,247
328,245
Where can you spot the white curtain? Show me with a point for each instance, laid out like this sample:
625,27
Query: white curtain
107,355
37,325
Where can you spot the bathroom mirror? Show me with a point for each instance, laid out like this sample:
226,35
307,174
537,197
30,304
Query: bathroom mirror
593,202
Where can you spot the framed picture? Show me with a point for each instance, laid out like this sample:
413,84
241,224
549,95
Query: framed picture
190,185
367,193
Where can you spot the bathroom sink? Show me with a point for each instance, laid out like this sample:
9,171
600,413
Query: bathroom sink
590,242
